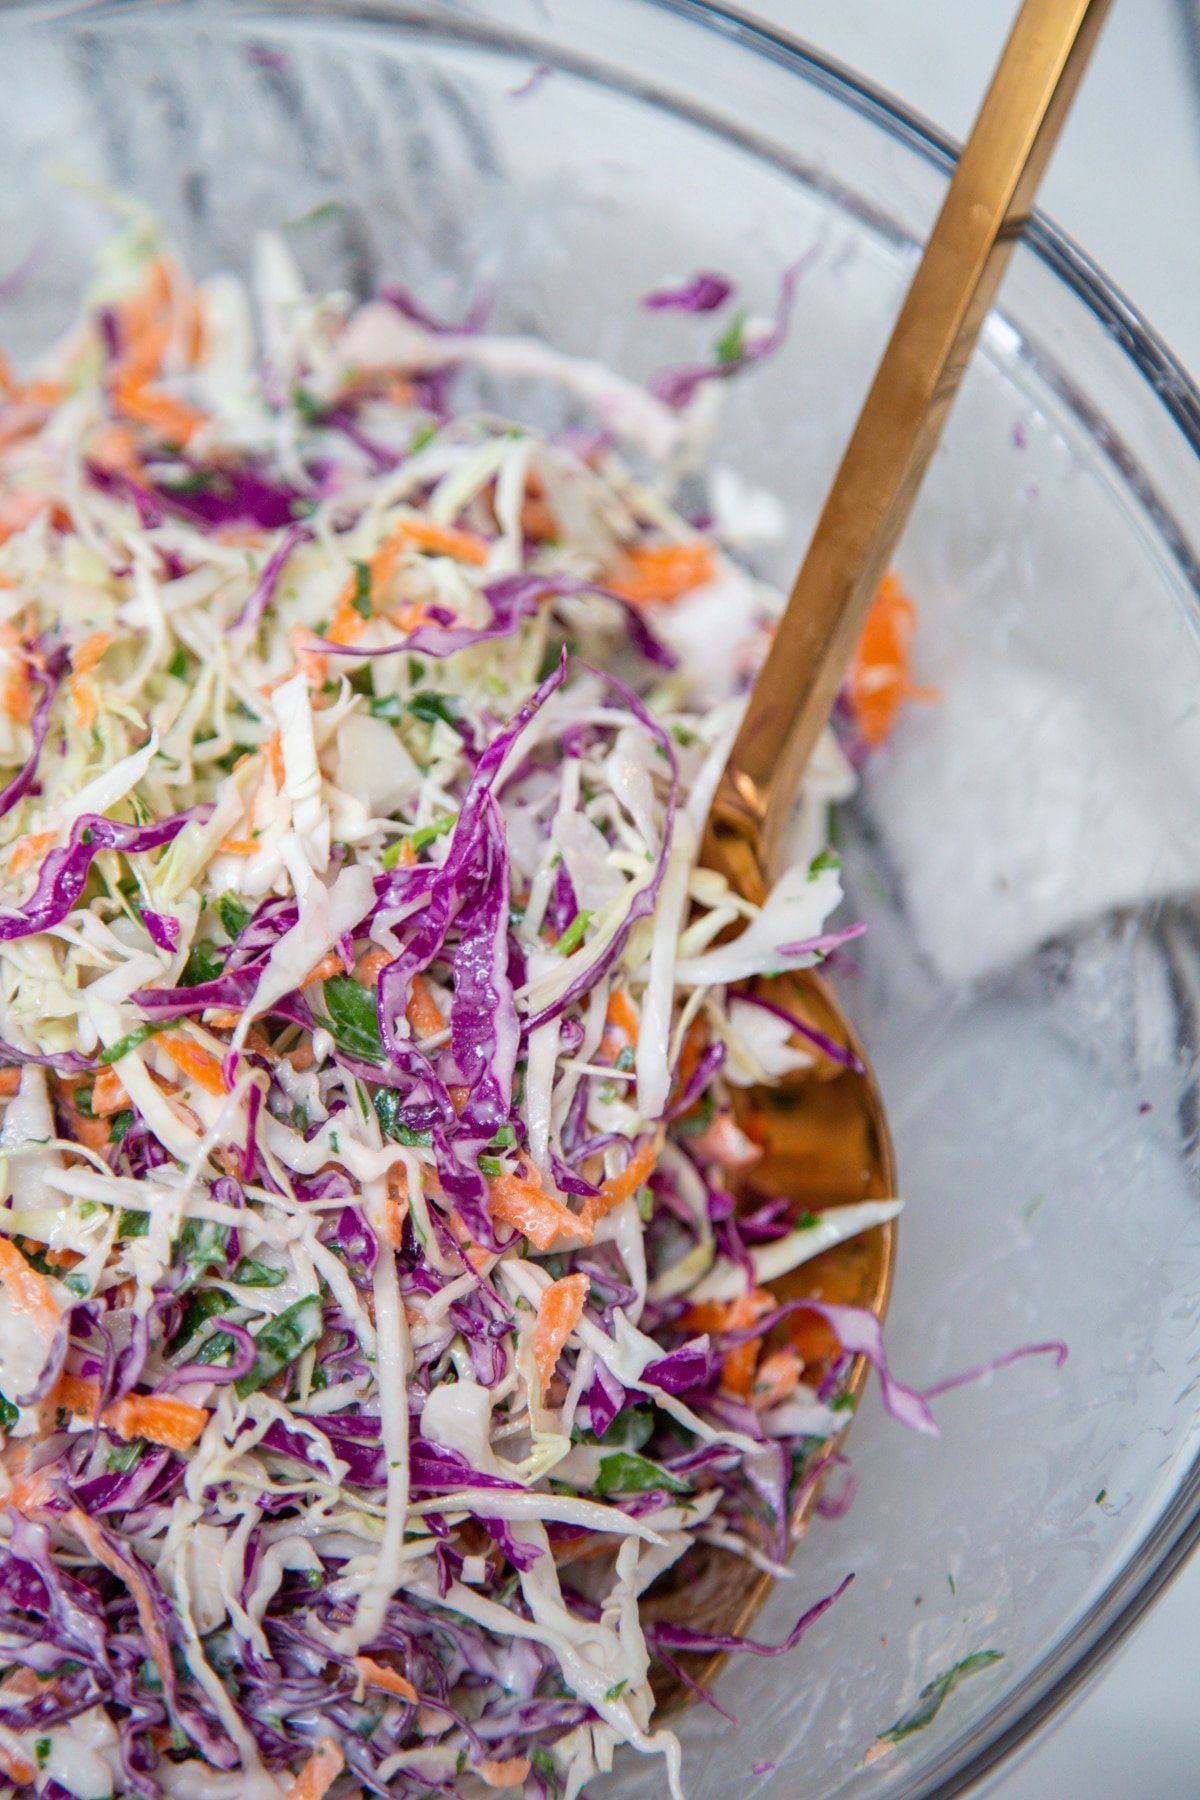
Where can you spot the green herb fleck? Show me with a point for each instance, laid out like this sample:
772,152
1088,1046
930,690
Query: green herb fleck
422,436
282,1340
824,859
730,347
133,1224
119,1461
353,1018
387,1110
360,600
626,1473
1101,1496
934,1694
617,1689
124,1045
83,1102
257,1274
573,935
432,707
9,1414
119,1125
41,1752
205,963
233,914
389,707
178,665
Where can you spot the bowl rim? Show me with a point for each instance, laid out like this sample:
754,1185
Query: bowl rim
1062,1674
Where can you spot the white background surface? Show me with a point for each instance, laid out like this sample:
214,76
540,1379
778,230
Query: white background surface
1125,183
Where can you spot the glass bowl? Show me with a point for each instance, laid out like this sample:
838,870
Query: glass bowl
1025,852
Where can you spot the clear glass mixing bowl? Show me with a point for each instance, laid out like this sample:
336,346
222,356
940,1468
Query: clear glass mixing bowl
1025,853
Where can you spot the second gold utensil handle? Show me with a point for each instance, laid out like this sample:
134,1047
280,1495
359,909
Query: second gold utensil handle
987,204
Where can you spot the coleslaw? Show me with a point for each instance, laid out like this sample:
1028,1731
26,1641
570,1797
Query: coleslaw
375,1323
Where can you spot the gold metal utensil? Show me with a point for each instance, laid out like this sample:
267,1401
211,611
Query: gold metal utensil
824,1132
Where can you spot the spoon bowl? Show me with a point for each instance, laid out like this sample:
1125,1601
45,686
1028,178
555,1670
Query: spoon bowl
824,1135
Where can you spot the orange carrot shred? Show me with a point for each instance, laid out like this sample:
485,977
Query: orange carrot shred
10,1081
879,682
559,1311
108,1093
173,1423
94,1539
16,1765
85,656
30,1293
83,699
329,966
423,1012
195,1061
660,573
636,1172
621,1015
369,967
528,1208
390,1681
319,1772
509,1773
239,847
28,850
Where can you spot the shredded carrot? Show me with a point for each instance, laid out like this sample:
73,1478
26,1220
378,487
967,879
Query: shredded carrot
30,1493
621,1015
651,573
423,1012
85,656
28,850
776,1377
695,1041
29,1292
446,540
108,1093
10,1081
319,1772
115,449
369,967
329,965
173,1423
195,1061
528,1208
396,1209
93,1538
559,1311
273,751
637,1171
239,847
83,699
458,1096
724,1142
17,695
509,1773
443,540
311,660
737,1370
390,1681
172,419
879,683
13,1761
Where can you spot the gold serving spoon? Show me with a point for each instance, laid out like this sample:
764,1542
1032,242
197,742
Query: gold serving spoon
824,1131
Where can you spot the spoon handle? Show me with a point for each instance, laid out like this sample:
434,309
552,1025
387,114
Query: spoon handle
985,209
